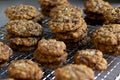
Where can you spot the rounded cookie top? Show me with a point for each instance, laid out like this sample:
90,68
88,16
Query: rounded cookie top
30,41
21,12
112,15
97,6
48,3
5,52
67,12
65,24
62,25
25,69
68,18
91,58
107,35
51,47
24,28
74,72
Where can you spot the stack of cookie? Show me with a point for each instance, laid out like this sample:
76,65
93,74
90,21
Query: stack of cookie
51,53
23,35
92,58
107,39
95,11
48,5
68,24
23,12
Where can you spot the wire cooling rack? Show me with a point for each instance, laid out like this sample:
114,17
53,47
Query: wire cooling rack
112,72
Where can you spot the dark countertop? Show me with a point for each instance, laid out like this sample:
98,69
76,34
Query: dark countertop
5,3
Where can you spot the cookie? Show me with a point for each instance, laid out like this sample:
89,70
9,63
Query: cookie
92,58
64,25
29,41
48,5
112,16
107,35
112,50
18,12
74,72
97,6
24,69
65,11
51,47
24,28
67,21
78,33
22,48
5,53
49,59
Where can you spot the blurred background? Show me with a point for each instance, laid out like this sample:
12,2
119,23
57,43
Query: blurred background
5,3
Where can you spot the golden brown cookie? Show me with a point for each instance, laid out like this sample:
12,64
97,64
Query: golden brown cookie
74,72
18,12
29,41
68,19
112,15
24,69
5,53
64,25
51,47
24,28
49,59
92,58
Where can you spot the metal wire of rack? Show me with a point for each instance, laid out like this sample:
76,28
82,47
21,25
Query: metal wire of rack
112,72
